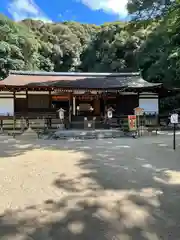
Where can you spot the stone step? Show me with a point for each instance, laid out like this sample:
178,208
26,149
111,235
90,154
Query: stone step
82,125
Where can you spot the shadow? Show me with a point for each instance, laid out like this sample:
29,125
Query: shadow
83,220
118,189
67,184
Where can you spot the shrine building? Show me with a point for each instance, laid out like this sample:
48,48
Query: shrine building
41,94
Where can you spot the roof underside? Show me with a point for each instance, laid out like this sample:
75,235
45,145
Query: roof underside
77,80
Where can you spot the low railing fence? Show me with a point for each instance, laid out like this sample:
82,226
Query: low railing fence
24,122
41,123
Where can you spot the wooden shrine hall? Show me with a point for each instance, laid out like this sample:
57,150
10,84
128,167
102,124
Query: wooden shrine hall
41,94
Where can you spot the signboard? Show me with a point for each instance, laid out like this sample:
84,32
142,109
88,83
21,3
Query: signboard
138,111
174,121
87,96
60,98
174,118
84,107
132,123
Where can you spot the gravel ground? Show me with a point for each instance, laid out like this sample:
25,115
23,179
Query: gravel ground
94,189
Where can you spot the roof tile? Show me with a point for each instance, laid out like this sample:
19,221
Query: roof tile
67,80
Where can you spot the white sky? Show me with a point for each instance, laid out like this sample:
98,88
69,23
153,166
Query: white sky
110,6
21,9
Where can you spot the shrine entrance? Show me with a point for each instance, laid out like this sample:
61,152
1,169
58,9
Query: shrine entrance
87,106
58,102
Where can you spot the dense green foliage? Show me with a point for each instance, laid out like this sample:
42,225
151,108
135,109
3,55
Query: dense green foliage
149,45
146,9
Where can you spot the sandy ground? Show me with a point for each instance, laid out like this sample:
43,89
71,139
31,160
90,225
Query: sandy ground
97,189
28,178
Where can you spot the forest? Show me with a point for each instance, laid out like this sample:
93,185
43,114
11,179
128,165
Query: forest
149,43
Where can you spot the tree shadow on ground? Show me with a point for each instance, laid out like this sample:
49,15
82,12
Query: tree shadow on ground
119,193
85,219
153,171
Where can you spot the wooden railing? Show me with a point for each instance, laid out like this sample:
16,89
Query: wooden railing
35,114
51,121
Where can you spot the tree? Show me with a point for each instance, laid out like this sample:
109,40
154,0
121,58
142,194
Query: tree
17,46
159,55
144,9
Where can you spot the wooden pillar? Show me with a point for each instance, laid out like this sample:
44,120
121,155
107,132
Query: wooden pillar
97,106
74,105
27,101
50,105
138,98
27,109
105,101
14,98
1,124
70,106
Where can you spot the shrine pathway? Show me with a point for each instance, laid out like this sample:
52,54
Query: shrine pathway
94,189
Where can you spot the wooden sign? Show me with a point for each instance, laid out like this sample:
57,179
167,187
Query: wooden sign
84,107
87,97
60,98
132,123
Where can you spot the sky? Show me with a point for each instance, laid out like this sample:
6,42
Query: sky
85,11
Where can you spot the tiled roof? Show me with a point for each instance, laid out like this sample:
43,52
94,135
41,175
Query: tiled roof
100,83
23,80
77,80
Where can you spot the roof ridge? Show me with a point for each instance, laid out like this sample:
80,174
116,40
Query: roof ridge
85,74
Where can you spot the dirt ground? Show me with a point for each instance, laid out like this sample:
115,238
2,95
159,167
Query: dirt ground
97,189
